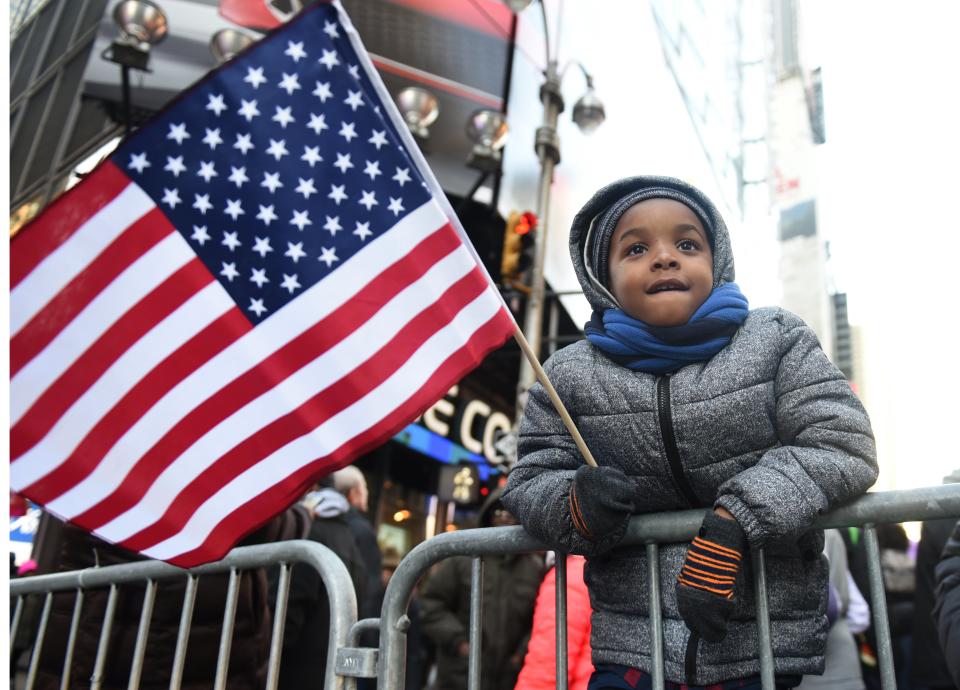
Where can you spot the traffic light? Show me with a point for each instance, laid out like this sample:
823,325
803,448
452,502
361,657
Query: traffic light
518,245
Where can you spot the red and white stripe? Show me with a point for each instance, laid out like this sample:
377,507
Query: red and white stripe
147,409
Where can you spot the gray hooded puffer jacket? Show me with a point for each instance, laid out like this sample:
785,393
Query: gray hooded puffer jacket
768,428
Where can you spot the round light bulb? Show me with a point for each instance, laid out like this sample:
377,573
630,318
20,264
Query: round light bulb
419,108
588,112
226,43
141,21
488,129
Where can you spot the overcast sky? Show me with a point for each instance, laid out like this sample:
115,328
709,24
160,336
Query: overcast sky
889,186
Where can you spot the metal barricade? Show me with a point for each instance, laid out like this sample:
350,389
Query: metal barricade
347,661
650,530
334,574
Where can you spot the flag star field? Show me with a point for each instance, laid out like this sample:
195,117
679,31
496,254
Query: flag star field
272,189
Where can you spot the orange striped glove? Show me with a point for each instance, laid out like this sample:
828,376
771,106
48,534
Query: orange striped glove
708,577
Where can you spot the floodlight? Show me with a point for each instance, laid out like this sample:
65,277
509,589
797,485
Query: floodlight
228,42
419,108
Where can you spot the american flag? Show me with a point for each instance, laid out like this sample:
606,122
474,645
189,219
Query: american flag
257,287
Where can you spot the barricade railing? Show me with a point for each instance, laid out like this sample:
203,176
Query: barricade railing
334,574
649,530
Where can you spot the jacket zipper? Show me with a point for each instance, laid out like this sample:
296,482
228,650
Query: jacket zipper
690,659
665,416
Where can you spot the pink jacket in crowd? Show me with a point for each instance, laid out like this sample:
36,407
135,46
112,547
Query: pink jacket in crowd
539,666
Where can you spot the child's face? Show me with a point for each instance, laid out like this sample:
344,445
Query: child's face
661,266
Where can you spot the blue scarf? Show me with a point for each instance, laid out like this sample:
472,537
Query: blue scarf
659,350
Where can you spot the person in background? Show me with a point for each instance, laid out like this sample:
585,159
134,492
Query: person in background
899,584
306,630
510,584
539,670
351,483
928,667
946,609
28,567
898,571
858,610
854,540
842,670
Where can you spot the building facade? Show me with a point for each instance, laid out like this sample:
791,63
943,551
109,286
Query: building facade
796,129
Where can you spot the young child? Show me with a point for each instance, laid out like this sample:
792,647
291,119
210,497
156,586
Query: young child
689,400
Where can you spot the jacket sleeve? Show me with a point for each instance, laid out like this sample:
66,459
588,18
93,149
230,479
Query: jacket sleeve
293,523
439,600
538,487
946,610
827,456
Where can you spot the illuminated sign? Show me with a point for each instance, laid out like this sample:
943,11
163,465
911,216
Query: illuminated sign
472,423
443,449
459,483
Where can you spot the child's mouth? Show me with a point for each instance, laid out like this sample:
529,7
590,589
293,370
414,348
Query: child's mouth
667,286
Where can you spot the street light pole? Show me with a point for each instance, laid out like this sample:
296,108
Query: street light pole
588,114
548,152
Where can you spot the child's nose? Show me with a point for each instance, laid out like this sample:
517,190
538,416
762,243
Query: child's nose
664,257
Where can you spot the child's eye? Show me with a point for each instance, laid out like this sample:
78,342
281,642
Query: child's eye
636,250
687,245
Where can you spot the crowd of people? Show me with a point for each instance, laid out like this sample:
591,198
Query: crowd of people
921,583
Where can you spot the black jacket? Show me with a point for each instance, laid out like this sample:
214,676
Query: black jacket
366,539
929,666
946,609
510,585
306,632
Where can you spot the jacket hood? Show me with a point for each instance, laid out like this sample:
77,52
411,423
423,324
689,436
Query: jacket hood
326,503
720,240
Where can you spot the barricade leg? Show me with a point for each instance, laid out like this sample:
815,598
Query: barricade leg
226,634
38,644
15,622
96,682
71,640
763,620
878,602
476,623
143,630
279,621
656,616
183,632
561,619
